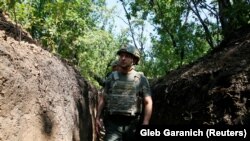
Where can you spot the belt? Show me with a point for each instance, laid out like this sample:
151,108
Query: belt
122,117
123,113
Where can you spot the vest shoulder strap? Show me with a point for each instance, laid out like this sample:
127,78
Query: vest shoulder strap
115,75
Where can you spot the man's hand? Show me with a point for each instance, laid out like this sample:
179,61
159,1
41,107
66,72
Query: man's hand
98,125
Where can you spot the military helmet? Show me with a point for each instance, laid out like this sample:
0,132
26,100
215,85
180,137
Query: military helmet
131,50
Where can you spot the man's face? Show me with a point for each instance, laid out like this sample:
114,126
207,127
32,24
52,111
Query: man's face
125,60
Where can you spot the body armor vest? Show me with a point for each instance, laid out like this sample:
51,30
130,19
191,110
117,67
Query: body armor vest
123,97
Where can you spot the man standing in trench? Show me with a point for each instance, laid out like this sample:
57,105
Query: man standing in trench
127,96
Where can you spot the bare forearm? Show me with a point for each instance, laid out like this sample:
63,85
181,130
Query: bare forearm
98,115
148,110
100,107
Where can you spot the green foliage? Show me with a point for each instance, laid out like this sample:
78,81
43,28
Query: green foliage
96,51
68,29
81,31
182,35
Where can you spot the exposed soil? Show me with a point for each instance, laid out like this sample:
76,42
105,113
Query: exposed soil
213,90
42,97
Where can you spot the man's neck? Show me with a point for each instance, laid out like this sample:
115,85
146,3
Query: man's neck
126,70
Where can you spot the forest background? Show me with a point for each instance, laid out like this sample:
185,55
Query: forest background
83,31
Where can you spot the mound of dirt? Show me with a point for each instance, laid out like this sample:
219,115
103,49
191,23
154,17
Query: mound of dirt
213,90
41,96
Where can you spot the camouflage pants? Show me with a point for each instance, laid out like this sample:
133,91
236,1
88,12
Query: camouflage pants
120,128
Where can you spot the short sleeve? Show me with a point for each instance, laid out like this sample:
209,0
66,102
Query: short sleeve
145,86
